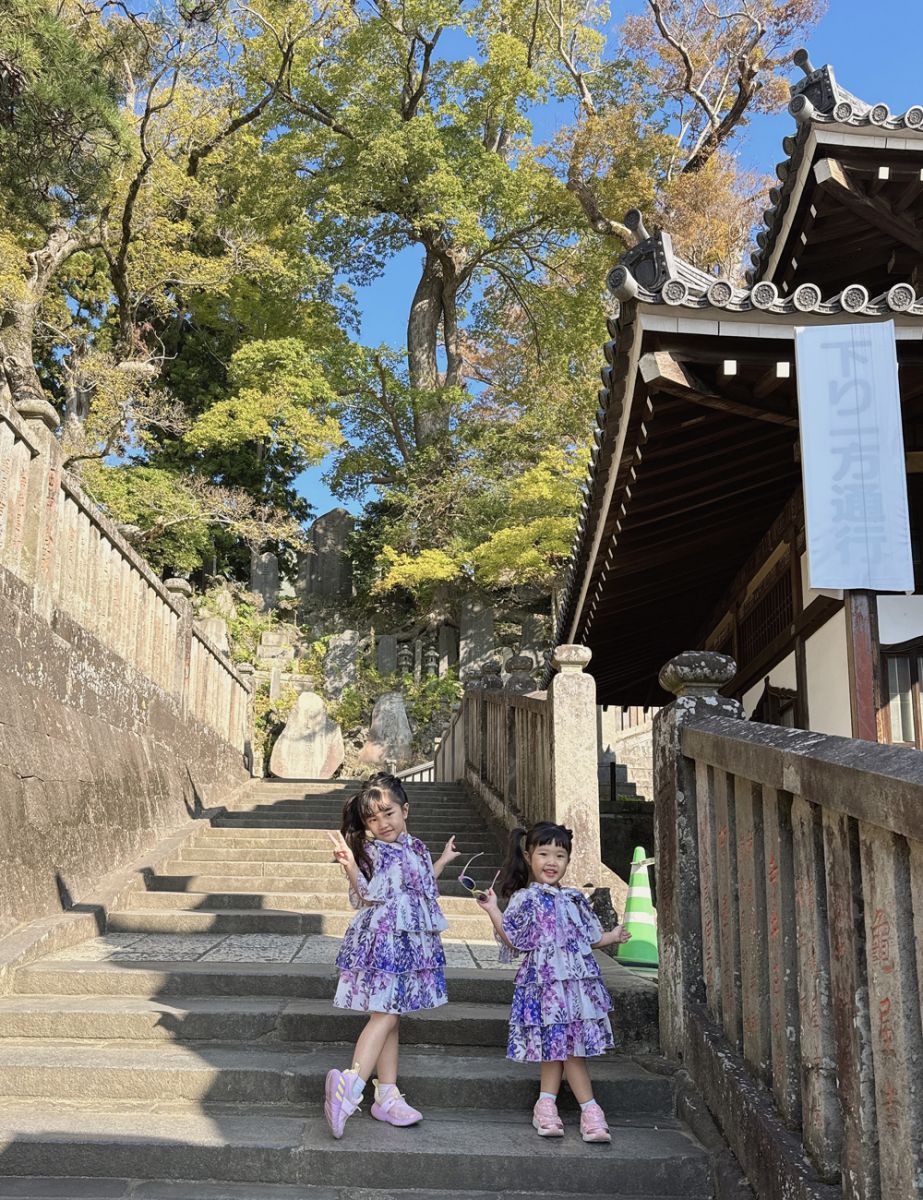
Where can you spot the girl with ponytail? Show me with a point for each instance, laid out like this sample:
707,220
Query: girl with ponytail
560,1003
391,960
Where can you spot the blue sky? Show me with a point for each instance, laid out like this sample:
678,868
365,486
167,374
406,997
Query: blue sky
874,50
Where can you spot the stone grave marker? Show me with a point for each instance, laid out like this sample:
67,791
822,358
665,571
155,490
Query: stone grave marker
477,632
340,662
390,736
386,654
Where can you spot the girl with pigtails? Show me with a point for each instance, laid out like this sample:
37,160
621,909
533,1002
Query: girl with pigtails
560,1002
391,960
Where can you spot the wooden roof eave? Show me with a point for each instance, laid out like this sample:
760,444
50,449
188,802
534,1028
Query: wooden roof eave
616,399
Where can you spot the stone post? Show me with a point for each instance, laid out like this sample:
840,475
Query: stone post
253,761
490,682
41,525
574,787
181,594
518,683
695,678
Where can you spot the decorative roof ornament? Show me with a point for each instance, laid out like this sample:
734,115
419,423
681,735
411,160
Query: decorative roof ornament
649,264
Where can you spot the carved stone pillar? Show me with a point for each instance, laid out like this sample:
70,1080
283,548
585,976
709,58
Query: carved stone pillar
574,785
181,594
695,678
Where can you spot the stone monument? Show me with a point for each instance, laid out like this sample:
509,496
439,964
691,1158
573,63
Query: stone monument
386,654
325,570
477,632
311,744
390,737
340,662
264,580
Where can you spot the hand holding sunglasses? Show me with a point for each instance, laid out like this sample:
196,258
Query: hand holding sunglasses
470,885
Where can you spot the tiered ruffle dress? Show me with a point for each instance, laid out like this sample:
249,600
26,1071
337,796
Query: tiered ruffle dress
391,959
560,1003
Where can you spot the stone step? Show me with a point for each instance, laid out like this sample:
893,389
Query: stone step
247,1019
48,978
287,1075
634,999
216,832
249,821
284,868
462,906
314,852
309,839
456,1149
418,823
269,921
56,1187
321,877
425,828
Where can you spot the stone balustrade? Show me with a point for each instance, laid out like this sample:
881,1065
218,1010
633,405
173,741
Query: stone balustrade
58,542
790,914
531,756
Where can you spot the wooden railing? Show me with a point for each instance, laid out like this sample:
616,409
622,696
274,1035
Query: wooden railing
791,930
59,543
421,773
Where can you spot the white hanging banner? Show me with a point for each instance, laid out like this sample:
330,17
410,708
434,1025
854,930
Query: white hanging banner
852,458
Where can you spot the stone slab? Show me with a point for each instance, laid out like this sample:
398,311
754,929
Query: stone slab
476,634
386,654
311,744
341,663
390,737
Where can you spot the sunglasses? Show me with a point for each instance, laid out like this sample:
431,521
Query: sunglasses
469,884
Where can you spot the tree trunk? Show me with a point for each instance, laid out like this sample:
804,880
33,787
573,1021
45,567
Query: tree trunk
423,326
16,357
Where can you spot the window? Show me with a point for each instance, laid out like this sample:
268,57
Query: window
777,706
902,670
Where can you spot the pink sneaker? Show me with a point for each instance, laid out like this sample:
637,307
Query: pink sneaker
391,1107
593,1127
338,1102
546,1120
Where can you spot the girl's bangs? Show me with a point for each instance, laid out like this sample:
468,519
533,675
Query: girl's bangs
375,800
552,835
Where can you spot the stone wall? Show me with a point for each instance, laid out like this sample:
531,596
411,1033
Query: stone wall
118,720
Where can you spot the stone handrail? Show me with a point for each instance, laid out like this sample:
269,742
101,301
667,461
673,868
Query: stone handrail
421,773
81,570
531,755
790,911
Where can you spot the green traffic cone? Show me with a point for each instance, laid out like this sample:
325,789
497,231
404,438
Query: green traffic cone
639,919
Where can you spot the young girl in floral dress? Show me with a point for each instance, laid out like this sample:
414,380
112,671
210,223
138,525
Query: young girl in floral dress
560,1003
391,960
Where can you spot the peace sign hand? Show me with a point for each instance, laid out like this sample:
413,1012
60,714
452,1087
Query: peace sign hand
341,851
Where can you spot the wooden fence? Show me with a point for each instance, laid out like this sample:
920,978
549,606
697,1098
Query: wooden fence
56,540
792,931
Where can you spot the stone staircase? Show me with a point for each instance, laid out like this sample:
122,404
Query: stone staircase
181,1054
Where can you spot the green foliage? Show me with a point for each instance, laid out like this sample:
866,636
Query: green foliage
269,716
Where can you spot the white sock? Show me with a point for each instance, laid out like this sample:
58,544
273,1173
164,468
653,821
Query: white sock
548,1096
383,1090
586,1104
356,1083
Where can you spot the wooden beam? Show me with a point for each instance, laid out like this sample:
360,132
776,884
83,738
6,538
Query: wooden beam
863,655
663,372
832,178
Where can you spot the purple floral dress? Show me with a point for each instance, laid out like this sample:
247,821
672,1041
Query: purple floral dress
560,1003
391,959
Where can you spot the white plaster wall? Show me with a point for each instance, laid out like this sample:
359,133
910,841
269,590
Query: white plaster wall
900,618
783,674
828,678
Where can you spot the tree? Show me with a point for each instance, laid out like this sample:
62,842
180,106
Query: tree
156,227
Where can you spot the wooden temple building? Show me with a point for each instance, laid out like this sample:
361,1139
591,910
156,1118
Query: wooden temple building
692,528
